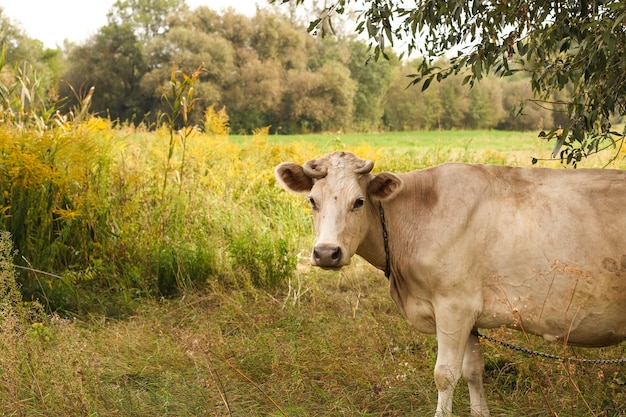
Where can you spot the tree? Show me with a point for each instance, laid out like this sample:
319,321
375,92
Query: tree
254,96
455,103
20,49
112,62
404,107
561,44
187,46
147,18
531,116
372,79
276,37
485,106
317,101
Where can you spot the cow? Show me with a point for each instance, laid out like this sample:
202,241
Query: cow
470,246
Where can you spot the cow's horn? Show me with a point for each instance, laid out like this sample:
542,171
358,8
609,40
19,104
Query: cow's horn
367,167
313,170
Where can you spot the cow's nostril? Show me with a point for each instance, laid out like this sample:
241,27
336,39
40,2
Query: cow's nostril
327,256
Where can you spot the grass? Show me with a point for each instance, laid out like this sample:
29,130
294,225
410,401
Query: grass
313,344
411,142
341,349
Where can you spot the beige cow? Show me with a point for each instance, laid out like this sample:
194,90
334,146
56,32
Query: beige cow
478,246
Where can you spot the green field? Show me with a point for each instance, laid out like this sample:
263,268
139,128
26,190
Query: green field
193,307
454,140
434,147
457,139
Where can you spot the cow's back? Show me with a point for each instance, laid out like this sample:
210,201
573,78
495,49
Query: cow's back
544,250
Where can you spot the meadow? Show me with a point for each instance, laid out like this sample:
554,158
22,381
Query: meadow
165,274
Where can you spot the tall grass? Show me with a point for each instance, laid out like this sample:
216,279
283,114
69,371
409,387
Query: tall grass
101,215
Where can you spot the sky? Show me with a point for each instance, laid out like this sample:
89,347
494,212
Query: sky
76,20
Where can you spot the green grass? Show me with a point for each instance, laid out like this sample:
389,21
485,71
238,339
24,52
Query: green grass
498,141
421,149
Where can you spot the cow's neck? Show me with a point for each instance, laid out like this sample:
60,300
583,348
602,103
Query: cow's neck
372,248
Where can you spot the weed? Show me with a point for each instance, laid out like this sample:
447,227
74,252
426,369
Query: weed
10,296
180,102
216,122
267,261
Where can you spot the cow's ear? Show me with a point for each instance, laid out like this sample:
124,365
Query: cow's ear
292,178
385,186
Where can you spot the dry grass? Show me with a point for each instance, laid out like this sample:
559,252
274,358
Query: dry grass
339,349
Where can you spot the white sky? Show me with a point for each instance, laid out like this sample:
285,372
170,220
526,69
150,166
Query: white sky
76,20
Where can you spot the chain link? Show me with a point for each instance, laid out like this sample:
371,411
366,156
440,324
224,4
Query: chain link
547,355
385,239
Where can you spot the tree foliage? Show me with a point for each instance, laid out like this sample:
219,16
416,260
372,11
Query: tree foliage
265,70
19,49
566,44
147,18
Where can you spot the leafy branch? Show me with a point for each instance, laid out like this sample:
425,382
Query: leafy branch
564,45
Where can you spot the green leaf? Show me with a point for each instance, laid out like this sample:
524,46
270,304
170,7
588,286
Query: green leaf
313,24
427,83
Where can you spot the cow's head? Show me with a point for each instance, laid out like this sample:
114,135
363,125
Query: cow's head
344,196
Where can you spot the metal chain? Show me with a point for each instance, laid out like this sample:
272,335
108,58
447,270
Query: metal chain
547,355
385,239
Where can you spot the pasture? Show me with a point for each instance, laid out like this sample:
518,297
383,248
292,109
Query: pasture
204,304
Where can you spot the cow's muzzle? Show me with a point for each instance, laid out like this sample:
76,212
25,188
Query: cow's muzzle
327,256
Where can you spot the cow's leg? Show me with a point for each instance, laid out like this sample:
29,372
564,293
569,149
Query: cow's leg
451,341
473,368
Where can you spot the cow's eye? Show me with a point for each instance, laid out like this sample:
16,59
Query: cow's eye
313,204
358,203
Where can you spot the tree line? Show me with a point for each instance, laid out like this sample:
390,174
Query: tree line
265,70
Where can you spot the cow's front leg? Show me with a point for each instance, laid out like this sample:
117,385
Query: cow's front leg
473,369
451,343
454,323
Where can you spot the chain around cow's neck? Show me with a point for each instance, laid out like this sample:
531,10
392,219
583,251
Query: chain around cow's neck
385,239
